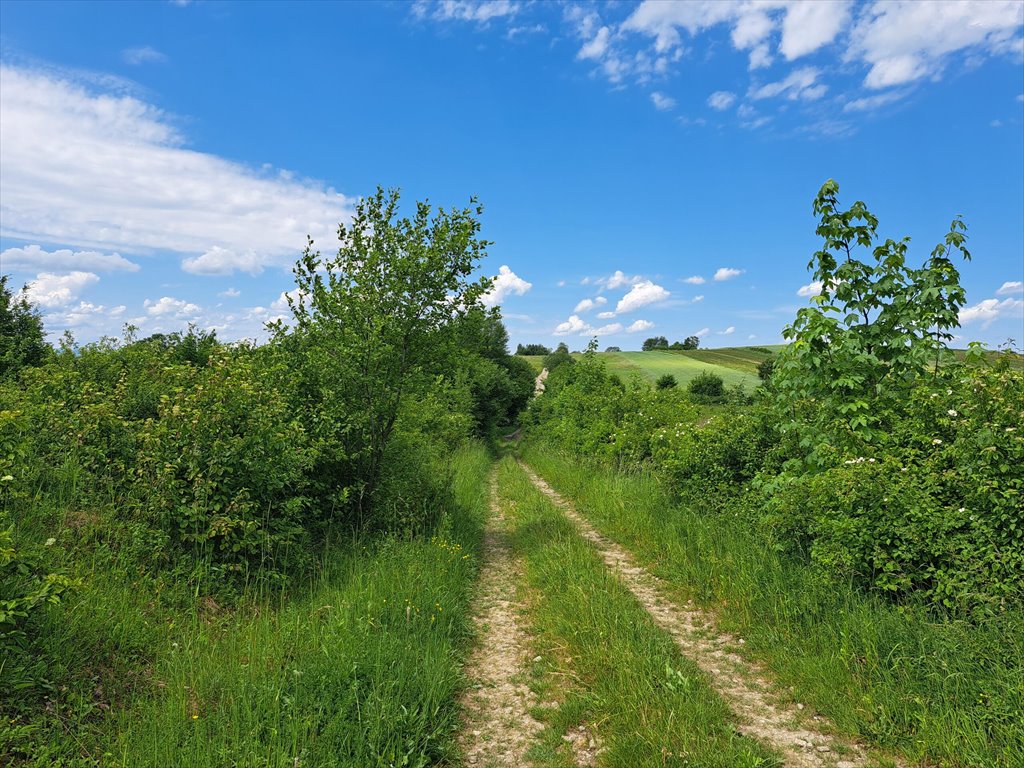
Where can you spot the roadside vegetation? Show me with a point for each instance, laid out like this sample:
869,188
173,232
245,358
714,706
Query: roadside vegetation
860,524
232,554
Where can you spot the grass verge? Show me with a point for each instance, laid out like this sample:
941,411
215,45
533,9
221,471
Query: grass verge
360,667
947,693
603,660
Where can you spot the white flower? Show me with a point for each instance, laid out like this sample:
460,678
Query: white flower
952,413
51,541
936,441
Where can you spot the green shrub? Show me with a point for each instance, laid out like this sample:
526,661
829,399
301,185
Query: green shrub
707,386
666,381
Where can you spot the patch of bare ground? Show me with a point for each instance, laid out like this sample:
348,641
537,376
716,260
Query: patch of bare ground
498,727
804,741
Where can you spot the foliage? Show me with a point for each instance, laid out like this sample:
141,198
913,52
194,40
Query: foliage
655,342
613,349
22,342
691,342
558,358
666,381
368,324
765,369
532,349
707,387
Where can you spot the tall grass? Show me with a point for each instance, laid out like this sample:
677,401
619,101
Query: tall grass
947,693
604,661
360,666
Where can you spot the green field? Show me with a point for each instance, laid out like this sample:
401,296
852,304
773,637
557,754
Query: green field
683,365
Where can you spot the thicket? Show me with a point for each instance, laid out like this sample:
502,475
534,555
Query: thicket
872,452
181,459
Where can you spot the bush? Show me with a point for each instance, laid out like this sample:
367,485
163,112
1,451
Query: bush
666,381
707,387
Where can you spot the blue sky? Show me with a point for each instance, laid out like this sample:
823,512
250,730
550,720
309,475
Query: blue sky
646,168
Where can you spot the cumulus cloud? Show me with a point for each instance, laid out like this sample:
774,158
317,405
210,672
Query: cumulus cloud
605,330
728,331
33,257
662,102
170,307
126,182
811,289
575,324
721,100
1010,288
640,295
142,55
507,283
695,280
605,315
230,293
912,39
223,261
988,311
702,332
53,290
596,47
588,304
619,280
727,273
639,325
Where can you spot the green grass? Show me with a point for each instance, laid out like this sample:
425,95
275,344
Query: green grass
536,361
361,666
605,662
651,365
943,693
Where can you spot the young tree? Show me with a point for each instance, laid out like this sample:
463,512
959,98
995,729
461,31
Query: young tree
22,341
878,324
369,319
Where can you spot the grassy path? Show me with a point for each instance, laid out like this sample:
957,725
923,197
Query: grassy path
499,727
805,742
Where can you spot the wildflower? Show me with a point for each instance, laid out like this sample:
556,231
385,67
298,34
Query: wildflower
936,441
195,717
50,542
952,413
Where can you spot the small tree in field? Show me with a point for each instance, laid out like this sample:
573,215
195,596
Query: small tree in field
370,317
655,342
691,342
666,381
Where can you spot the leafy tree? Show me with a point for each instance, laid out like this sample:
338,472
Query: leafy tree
691,342
655,342
613,349
370,319
765,368
666,381
22,341
533,349
878,325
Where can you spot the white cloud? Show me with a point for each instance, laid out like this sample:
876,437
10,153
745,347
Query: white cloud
52,290
799,84
702,332
873,102
811,289
608,329
223,261
465,10
507,283
605,315
588,304
170,307
662,102
727,273
96,169
905,40
988,311
143,55
597,46
640,295
697,299
728,331
33,257
809,25
721,100
1010,288
695,280
280,304
575,324
561,283
619,280
639,325
230,293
